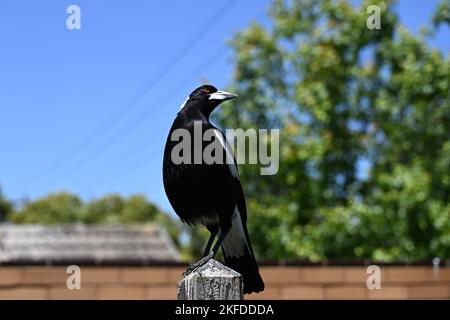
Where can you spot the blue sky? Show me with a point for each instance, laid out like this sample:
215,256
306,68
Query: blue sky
88,110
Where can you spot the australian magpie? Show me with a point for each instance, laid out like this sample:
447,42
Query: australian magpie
211,194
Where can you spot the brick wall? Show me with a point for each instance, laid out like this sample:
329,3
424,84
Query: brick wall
281,283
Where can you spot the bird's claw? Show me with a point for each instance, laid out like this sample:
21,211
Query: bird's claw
198,264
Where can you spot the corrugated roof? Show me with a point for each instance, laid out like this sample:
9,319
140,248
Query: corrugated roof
85,244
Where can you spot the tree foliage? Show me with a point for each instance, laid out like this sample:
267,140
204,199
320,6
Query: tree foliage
364,140
5,207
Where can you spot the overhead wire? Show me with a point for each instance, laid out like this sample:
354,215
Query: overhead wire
89,143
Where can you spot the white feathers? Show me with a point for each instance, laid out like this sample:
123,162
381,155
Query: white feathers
229,154
234,243
209,220
184,103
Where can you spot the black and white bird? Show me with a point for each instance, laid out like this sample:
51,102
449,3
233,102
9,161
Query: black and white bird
211,194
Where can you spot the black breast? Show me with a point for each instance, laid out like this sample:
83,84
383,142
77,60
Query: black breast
196,191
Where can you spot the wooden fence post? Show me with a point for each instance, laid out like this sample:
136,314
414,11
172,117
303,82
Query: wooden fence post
212,281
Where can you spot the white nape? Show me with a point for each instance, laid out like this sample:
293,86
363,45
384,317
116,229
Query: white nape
184,103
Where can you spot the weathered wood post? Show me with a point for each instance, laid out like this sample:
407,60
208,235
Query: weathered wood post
212,281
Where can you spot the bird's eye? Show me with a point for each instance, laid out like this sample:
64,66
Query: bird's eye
206,90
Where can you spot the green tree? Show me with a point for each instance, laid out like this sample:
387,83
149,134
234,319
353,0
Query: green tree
133,210
364,141
5,207
57,208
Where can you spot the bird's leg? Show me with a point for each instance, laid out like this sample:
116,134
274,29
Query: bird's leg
213,231
208,256
219,241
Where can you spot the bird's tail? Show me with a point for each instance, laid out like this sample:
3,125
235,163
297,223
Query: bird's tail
246,265
238,255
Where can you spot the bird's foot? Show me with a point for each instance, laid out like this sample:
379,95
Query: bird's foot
198,264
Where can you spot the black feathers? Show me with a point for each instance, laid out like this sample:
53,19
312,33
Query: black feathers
209,194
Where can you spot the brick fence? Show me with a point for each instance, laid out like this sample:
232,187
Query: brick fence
289,282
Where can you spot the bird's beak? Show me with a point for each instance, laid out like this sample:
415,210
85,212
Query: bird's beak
222,95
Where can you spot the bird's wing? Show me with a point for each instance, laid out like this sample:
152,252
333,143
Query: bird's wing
233,169
236,247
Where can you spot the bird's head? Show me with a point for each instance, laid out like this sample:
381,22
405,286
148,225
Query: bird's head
206,98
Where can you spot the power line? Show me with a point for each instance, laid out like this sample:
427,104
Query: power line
87,144
140,118
143,152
